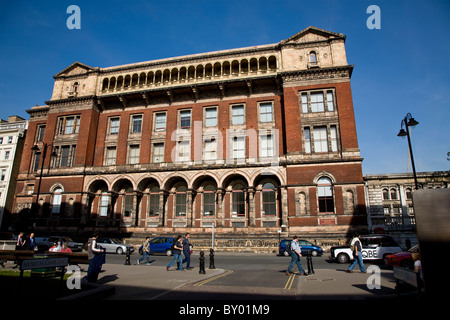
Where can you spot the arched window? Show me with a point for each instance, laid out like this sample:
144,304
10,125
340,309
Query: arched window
325,194
393,194
385,194
238,200
408,193
312,57
269,199
209,200
56,203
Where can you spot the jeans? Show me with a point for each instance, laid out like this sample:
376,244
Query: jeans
357,259
295,259
176,257
187,258
145,256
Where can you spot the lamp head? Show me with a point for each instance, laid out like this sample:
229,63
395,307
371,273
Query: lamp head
412,122
402,133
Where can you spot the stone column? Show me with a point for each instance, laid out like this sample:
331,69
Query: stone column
251,206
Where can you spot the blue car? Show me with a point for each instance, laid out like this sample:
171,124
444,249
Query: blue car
161,245
305,245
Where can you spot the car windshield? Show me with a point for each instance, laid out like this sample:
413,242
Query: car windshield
116,241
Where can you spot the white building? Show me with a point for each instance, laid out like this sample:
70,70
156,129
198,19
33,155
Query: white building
12,134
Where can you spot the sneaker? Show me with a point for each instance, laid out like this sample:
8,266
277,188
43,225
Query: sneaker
138,261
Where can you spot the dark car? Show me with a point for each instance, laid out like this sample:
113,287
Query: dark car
306,247
161,245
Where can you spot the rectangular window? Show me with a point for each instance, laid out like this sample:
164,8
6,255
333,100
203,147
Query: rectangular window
317,103
136,124
3,175
114,125
266,112
111,153
185,119
184,151
307,133
210,151
7,155
65,156
158,152
160,121
269,203
320,139
68,125
267,146
37,159
237,114
333,138
180,204
305,102
40,133
154,205
104,204
238,147
209,203
133,156
330,101
238,202
211,117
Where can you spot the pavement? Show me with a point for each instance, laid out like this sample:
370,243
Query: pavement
152,282
148,282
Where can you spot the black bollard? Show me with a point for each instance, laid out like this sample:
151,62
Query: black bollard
202,263
127,259
309,262
211,259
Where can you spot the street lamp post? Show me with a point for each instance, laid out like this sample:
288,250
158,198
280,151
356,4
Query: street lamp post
40,145
409,121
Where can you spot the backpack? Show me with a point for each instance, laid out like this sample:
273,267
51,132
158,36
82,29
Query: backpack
288,247
141,250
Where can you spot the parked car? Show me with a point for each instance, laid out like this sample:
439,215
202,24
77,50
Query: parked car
374,247
113,245
402,259
161,245
44,243
305,245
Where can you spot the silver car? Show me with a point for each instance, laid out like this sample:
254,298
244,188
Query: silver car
112,245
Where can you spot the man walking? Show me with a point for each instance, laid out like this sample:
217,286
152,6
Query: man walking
357,254
145,251
295,257
187,251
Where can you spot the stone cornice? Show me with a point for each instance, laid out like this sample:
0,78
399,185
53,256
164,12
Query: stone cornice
317,73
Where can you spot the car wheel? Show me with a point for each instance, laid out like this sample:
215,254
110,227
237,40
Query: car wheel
314,253
343,258
168,252
119,250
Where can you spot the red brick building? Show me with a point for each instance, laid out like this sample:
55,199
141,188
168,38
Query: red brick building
254,140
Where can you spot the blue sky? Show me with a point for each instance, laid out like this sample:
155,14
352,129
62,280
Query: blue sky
402,67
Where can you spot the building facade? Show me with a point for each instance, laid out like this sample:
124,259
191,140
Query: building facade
390,202
253,140
12,136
